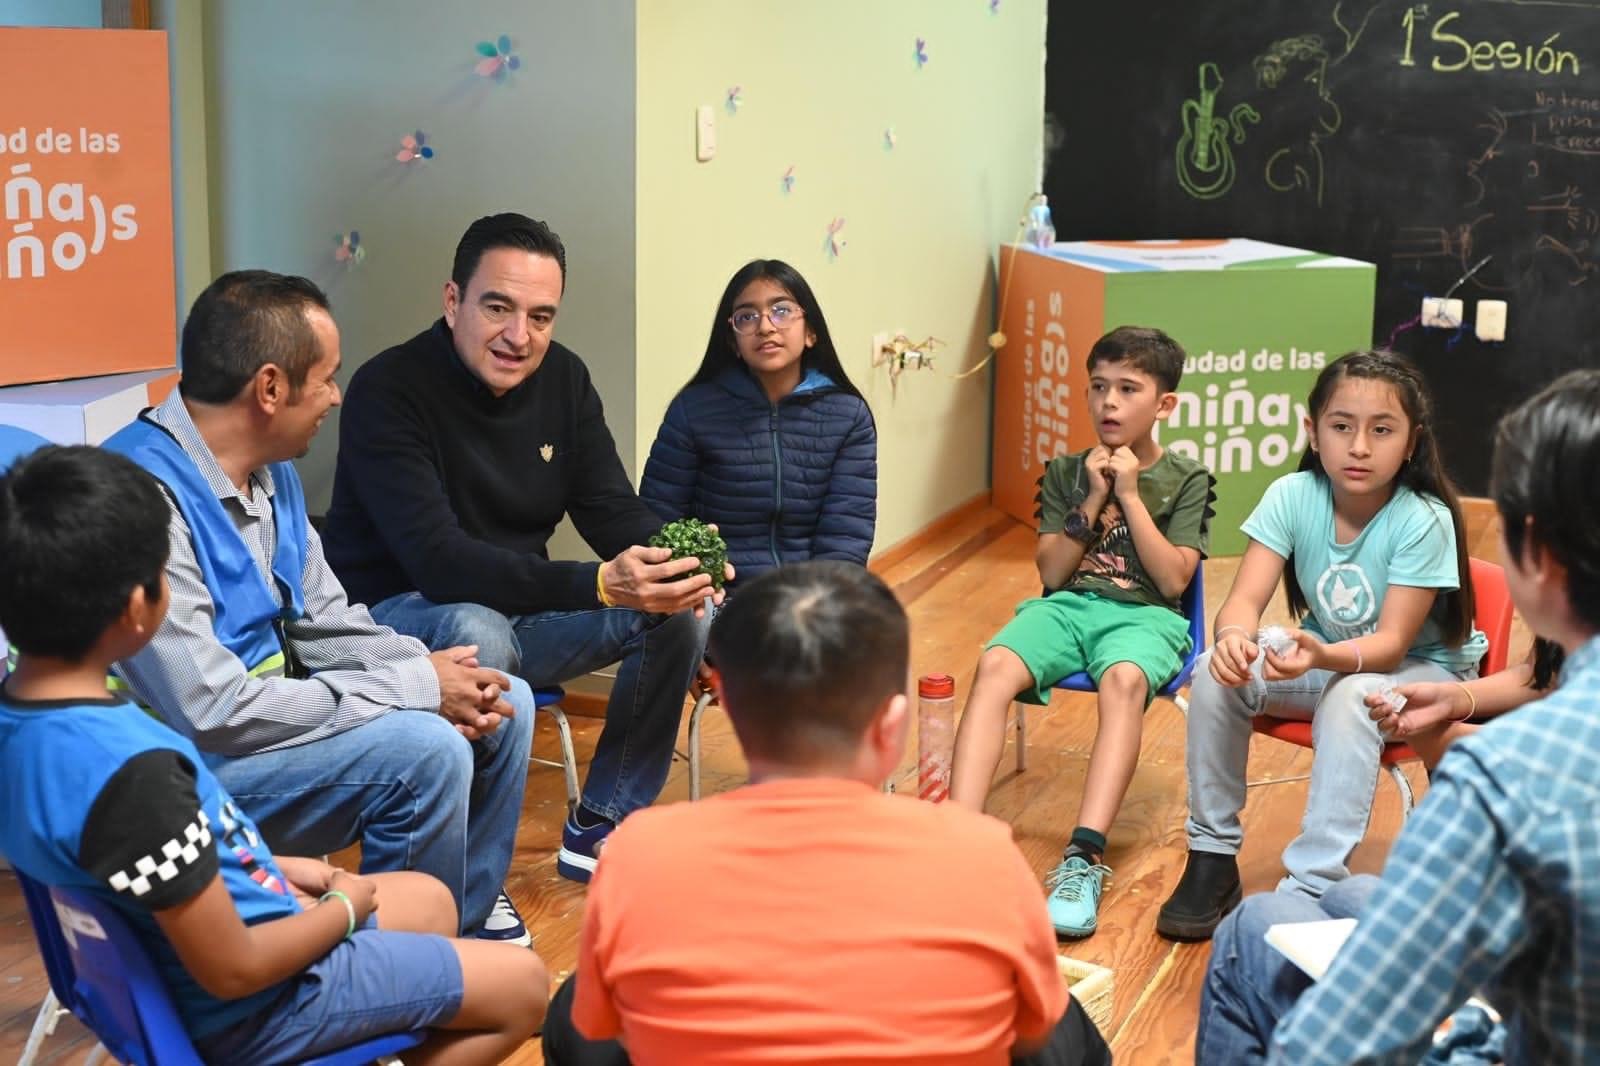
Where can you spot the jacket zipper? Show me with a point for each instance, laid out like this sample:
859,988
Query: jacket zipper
777,487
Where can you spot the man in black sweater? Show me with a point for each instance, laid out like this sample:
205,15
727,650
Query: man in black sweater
459,453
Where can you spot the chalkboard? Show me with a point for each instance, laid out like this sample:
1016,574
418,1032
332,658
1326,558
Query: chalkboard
1423,137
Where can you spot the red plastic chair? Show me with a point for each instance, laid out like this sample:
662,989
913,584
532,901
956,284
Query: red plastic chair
1491,614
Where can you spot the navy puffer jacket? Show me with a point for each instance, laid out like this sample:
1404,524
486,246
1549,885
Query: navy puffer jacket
783,482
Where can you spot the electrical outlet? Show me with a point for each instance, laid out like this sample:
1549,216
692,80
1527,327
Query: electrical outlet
1439,313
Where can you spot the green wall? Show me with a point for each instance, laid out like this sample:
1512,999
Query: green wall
820,82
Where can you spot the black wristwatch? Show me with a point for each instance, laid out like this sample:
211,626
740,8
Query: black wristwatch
1077,526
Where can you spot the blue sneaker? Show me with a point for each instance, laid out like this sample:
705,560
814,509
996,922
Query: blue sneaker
580,849
1074,901
504,925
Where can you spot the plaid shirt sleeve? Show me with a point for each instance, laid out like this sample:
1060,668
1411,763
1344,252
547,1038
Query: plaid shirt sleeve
1449,913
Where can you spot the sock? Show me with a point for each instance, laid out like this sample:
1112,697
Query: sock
584,818
1086,843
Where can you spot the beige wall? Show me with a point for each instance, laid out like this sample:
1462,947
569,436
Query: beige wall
820,82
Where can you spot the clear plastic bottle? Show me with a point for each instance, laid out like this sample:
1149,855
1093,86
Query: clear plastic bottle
1040,231
936,735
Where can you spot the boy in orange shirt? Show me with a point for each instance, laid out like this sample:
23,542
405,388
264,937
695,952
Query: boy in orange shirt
807,917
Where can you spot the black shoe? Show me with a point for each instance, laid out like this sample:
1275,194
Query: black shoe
1208,890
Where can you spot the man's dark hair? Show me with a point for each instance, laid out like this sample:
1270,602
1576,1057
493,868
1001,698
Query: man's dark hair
243,321
506,230
1546,453
1142,348
808,653
80,529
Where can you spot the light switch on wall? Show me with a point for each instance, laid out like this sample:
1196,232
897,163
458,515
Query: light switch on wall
705,132
1491,320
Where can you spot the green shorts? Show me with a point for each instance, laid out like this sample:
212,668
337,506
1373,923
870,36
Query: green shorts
1065,632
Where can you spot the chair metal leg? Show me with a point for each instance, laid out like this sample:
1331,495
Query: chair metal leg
700,706
99,1055
569,757
1407,799
44,1024
1022,735
1182,701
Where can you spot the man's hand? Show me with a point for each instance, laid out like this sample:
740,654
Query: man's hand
1123,469
705,680
470,696
650,580
1428,703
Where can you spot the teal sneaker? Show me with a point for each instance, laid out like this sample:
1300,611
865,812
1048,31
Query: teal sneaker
1074,900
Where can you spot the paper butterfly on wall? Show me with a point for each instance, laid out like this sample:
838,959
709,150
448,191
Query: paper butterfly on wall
900,353
497,58
414,146
734,99
348,248
788,181
994,7
888,139
835,243
922,53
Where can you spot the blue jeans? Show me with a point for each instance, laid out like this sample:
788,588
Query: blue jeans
659,654
1249,986
1344,766
412,790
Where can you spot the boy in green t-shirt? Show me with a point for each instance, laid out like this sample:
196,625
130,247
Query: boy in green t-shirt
1122,527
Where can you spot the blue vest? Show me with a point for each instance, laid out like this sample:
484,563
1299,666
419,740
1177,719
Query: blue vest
54,762
246,613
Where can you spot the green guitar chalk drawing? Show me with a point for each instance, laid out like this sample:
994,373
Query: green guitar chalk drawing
1205,159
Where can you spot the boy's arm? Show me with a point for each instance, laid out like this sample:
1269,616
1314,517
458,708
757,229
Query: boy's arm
232,960
1058,555
1169,566
149,812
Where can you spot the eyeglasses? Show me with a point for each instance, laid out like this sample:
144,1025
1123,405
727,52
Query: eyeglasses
781,314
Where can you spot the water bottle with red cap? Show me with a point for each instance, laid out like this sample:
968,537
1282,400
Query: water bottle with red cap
936,735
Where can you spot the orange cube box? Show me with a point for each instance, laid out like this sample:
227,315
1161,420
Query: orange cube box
86,272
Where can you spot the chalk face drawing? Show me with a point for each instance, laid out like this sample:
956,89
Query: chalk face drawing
1204,156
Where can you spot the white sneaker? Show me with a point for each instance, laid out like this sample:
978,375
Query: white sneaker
504,924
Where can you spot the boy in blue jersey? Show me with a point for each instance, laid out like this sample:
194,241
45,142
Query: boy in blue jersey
267,959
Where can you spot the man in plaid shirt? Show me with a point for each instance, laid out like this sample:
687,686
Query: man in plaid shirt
1494,885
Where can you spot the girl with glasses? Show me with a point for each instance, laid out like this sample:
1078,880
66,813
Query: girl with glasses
769,440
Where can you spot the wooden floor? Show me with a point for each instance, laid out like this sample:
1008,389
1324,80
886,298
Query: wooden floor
959,586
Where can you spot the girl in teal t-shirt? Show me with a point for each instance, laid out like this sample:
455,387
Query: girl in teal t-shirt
1368,539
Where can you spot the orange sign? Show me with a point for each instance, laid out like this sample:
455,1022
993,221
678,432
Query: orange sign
86,276
1051,314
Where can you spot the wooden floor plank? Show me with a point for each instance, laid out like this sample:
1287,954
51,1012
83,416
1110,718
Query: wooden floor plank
966,581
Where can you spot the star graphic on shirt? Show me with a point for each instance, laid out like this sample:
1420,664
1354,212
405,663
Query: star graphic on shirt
1343,597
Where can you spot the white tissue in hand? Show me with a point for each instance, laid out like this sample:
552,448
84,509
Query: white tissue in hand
1275,639
1391,695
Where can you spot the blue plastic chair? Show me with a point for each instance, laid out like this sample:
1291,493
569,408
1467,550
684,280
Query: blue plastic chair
100,972
549,701
1193,604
